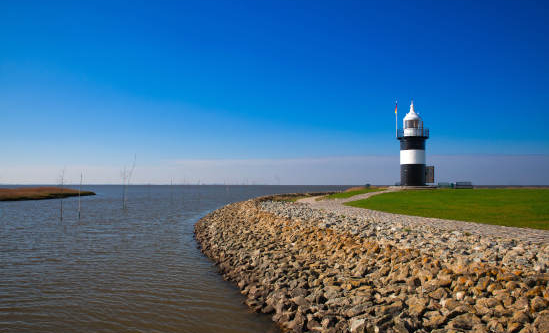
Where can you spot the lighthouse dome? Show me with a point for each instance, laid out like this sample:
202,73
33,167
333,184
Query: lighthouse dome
412,119
412,116
413,125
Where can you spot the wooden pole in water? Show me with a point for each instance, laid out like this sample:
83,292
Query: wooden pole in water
79,190
61,183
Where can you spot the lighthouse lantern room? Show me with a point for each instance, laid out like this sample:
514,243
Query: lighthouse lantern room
412,149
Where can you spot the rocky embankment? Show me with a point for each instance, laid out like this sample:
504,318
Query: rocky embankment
314,272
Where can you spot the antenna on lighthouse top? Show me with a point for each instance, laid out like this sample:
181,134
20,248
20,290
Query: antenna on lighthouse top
412,106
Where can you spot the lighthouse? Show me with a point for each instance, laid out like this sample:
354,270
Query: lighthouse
412,149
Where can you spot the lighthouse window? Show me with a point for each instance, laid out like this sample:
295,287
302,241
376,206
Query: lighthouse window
412,124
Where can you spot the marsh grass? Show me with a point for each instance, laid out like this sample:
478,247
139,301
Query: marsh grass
38,193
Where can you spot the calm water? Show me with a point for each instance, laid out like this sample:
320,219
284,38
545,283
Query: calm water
120,271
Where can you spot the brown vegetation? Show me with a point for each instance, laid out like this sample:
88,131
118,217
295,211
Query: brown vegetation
359,188
38,193
293,197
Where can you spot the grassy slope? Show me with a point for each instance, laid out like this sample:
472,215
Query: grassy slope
38,193
348,194
510,207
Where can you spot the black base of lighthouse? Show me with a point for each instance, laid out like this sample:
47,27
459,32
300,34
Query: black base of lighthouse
412,174
412,142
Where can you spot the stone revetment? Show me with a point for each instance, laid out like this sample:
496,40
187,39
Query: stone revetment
315,271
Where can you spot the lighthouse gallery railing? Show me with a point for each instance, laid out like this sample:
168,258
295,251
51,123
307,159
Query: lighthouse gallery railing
418,132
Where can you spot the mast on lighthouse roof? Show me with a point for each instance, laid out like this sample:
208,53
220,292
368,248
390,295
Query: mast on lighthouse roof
412,149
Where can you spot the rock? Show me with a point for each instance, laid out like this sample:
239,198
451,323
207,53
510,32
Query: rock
332,292
438,294
401,325
313,324
459,310
391,309
267,309
514,327
483,283
282,317
494,325
343,326
417,306
413,282
493,286
479,328
464,322
295,326
482,309
300,301
356,323
443,282
527,329
357,309
327,321
521,317
433,319
450,303
339,301
541,324
538,304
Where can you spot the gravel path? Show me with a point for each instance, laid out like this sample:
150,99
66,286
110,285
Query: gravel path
336,206
448,240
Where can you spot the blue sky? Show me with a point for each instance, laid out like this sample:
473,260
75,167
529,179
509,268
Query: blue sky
88,85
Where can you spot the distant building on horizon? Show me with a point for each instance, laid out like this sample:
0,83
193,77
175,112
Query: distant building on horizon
412,136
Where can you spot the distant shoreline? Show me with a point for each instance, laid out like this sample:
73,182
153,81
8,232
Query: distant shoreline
39,193
6,185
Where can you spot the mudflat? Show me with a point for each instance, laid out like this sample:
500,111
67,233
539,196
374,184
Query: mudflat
39,193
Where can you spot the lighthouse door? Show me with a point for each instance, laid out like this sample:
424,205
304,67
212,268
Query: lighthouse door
430,174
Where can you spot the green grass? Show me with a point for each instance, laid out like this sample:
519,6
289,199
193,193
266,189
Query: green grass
348,194
510,207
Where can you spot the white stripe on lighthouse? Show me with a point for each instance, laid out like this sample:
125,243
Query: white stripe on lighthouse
412,156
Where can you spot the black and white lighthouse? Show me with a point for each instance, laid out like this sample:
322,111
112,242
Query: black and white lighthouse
412,149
